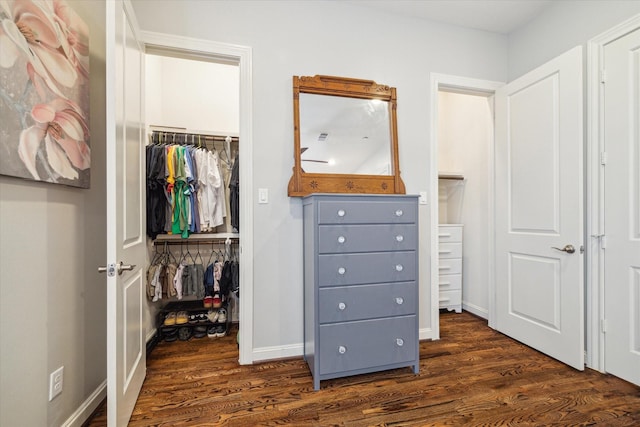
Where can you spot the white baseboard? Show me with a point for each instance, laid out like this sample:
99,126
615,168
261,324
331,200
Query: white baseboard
474,309
277,352
85,410
152,333
426,334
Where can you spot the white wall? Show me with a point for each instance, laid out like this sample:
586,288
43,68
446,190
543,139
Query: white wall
197,95
52,300
564,25
333,38
465,126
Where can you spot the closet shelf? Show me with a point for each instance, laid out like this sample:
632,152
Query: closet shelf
197,237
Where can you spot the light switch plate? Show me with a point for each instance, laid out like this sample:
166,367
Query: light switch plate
263,195
423,198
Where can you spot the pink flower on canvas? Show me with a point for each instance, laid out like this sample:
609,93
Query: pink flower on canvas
63,129
76,42
29,29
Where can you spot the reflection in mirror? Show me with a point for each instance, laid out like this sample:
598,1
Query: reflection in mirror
345,137
340,135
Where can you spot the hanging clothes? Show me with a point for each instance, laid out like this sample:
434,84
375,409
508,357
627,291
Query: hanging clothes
234,196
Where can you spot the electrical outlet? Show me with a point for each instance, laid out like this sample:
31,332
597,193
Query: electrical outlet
55,382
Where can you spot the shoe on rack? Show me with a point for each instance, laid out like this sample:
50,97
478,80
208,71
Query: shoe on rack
170,319
211,332
184,333
193,318
217,301
213,315
222,315
199,331
221,330
208,301
182,317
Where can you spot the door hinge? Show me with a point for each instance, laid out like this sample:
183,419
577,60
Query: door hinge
603,241
603,158
603,325
603,76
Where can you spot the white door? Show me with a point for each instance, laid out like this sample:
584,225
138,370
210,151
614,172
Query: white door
538,176
622,207
126,338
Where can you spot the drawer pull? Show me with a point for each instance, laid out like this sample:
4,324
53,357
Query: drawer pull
399,300
445,251
399,212
444,235
399,342
342,349
342,306
342,270
445,299
399,238
399,267
341,212
444,267
341,239
445,283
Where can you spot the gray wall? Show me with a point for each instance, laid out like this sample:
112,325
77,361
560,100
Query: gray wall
564,25
52,301
307,38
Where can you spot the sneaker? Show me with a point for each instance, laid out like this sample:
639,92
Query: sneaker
213,316
170,319
217,301
208,301
193,318
184,333
222,315
182,317
211,332
199,331
221,330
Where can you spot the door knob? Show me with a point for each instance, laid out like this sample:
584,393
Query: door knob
568,249
112,268
124,267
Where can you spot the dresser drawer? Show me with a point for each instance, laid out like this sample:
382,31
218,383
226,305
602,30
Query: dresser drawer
375,267
346,303
449,282
367,238
450,266
368,343
449,233
367,211
450,298
450,250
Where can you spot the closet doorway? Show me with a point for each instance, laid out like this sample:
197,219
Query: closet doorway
462,196
204,90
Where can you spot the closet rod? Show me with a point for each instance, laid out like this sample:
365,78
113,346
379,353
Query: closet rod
169,132
451,177
234,241
196,238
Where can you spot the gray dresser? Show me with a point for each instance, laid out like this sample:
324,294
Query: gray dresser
360,284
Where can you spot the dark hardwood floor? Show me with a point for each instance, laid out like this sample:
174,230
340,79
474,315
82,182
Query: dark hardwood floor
472,376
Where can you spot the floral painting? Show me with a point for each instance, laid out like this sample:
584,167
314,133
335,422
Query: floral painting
44,92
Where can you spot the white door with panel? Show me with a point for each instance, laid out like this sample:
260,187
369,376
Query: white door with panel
538,209
126,242
621,127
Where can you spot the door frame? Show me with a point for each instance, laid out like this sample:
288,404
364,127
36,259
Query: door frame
242,56
473,87
594,209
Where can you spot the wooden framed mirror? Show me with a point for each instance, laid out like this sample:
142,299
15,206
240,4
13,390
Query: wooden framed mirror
345,137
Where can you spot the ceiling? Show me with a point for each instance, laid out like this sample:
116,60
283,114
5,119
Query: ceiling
498,16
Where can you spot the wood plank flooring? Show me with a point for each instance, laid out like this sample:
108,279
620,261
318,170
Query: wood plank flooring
472,376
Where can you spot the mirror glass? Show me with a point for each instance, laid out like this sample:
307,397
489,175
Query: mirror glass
341,135
345,137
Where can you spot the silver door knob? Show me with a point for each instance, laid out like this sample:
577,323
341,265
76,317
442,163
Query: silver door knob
568,249
124,267
342,349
